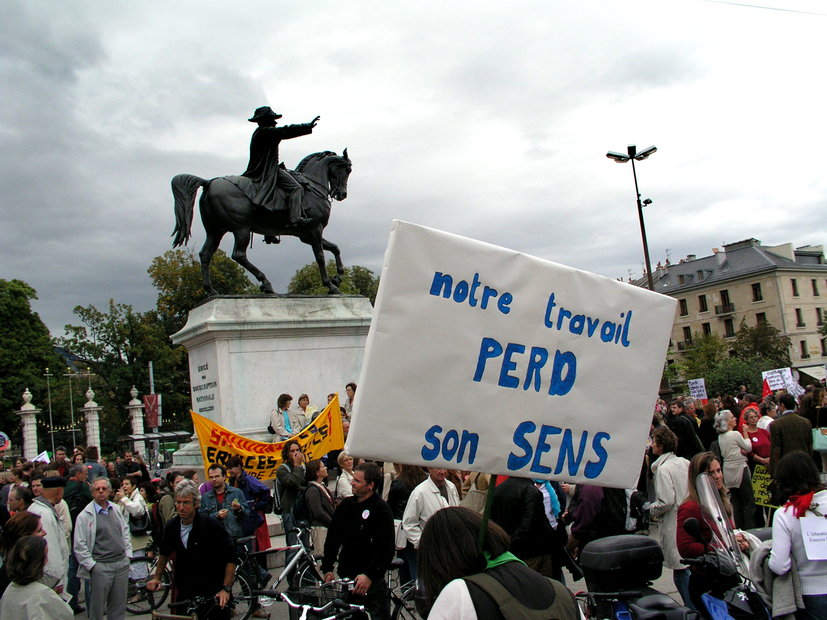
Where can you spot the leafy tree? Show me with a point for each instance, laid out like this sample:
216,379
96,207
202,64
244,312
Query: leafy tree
26,350
356,281
701,356
764,342
177,276
731,373
117,346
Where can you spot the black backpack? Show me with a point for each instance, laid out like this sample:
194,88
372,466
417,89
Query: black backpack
299,509
75,502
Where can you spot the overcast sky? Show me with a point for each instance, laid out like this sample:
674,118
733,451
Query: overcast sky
486,119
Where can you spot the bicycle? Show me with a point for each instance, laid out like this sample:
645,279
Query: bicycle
403,595
328,596
139,600
196,608
303,567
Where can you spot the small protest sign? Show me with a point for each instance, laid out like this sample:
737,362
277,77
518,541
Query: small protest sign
697,390
782,379
761,486
260,459
814,536
485,359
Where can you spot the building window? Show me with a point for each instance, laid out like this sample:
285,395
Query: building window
799,318
815,288
707,329
725,298
756,292
700,276
819,317
684,309
729,328
702,307
760,317
681,279
687,334
795,287
805,353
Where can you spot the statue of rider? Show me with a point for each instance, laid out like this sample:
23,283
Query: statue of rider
264,169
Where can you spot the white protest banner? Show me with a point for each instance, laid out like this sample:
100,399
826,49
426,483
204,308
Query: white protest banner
697,390
782,379
485,359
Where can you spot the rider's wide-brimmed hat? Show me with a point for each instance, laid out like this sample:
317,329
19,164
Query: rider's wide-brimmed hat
262,113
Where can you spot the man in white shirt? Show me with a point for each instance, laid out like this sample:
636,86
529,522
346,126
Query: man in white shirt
433,494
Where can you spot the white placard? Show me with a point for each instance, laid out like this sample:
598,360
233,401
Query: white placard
782,379
697,389
814,535
484,359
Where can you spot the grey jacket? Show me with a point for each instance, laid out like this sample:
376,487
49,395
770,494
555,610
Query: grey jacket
85,531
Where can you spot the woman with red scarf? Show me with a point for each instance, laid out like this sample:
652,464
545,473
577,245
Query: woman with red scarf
798,479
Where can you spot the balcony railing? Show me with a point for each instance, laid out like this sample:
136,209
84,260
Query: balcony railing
725,309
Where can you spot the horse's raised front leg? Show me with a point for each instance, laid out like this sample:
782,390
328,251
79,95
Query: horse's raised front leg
316,242
242,240
206,254
340,268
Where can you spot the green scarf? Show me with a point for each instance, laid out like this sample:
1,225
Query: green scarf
500,559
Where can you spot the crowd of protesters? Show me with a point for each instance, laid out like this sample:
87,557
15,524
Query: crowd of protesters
95,514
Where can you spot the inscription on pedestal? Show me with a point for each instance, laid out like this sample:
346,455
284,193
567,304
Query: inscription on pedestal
203,394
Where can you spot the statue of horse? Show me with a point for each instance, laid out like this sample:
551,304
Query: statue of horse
225,208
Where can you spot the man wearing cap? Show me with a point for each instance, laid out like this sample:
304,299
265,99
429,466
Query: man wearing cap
57,563
264,169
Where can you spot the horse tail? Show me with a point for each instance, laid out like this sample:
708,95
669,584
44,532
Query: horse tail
184,187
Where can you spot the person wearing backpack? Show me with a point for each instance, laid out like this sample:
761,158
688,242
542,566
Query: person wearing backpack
77,497
463,578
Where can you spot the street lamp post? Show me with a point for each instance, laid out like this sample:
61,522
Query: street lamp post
633,155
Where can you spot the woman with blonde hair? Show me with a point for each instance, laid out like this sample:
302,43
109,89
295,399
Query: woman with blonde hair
343,488
734,448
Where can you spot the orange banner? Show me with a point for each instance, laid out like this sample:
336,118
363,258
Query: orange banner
262,459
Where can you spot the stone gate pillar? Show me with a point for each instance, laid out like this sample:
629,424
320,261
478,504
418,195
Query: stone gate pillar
28,416
136,418
91,412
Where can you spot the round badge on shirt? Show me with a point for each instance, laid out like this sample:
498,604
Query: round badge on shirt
365,514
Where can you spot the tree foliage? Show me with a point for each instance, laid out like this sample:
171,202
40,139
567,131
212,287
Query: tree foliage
177,276
356,281
730,374
703,354
764,342
26,350
118,344
755,349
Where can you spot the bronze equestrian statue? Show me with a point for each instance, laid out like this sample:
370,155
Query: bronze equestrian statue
267,199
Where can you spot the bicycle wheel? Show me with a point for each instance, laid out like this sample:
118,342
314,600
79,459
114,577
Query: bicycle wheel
307,572
308,575
139,600
405,605
243,602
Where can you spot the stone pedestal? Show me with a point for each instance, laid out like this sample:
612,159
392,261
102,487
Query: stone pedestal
244,351
91,413
136,418
28,416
